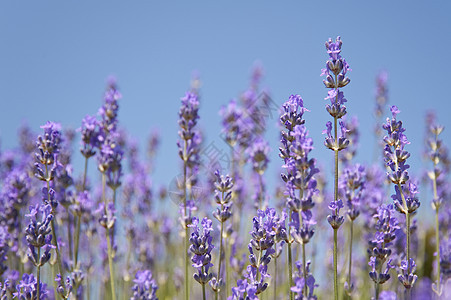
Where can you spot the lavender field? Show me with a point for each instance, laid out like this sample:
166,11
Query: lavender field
287,193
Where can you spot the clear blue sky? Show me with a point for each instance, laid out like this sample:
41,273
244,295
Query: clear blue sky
55,57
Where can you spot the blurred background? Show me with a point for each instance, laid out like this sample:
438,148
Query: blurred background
55,58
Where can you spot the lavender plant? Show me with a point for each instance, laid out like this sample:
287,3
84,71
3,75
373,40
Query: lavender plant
109,164
201,247
336,78
293,111
45,167
188,151
380,246
145,287
352,185
405,199
438,156
300,177
223,197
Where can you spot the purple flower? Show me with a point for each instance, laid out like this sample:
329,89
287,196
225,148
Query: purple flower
38,233
380,246
89,136
4,248
407,276
145,286
189,147
300,282
48,146
233,125
201,247
108,111
27,288
258,153
352,185
335,220
223,196
64,288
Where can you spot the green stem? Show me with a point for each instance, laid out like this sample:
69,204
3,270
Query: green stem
226,251
110,252
290,263
54,238
220,248
38,275
275,278
350,253
336,210
335,266
377,290
77,232
186,227
437,229
69,232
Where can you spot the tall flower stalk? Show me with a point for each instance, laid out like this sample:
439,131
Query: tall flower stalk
188,151
301,188
380,246
45,167
201,246
291,116
109,164
335,72
405,199
437,154
352,185
223,197
38,234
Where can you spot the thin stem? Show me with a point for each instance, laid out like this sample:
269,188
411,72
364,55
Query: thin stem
275,278
69,232
38,275
335,265
437,227
408,247
290,262
54,238
336,210
226,250
77,231
350,254
377,290
185,166
107,230
220,247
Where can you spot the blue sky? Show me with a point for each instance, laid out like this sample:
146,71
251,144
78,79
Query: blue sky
55,57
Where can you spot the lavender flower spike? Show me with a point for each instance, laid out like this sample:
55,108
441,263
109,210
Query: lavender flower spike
188,152
145,287
201,247
336,78
405,199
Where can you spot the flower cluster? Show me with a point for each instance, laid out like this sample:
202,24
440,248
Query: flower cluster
4,248
300,282
89,136
145,287
352,186
258,154
223,197
27,289
38,234
201,247
405,199
263,242
380,245
189,147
